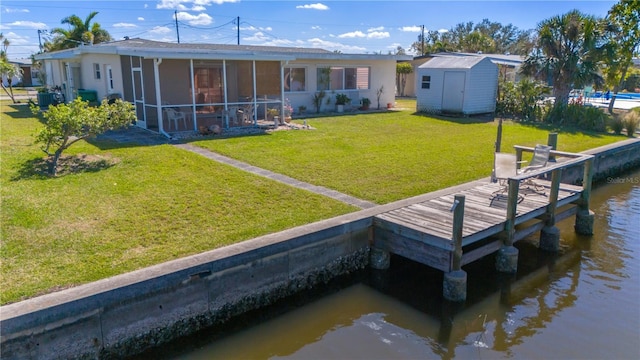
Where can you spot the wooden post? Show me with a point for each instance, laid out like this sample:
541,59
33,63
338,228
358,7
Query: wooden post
458,219
507,258
585,217
550,234
518,158
454,287
552,141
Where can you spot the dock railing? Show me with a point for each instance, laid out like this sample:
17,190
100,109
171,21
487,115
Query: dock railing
555,170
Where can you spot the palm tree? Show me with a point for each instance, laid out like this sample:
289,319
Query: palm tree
81,32
568,53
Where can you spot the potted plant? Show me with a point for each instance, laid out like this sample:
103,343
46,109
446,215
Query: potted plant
341,101
272,113
365,103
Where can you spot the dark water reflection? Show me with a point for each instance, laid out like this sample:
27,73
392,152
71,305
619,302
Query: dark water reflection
582,303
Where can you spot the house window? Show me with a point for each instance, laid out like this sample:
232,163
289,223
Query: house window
96,71
295,79
426,82
343,78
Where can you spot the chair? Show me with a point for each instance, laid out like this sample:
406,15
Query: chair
173,115
540,158
246,114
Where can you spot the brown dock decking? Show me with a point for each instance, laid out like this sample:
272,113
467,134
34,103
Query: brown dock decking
485,215
491,218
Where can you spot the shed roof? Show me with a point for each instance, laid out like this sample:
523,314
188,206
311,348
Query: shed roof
452,62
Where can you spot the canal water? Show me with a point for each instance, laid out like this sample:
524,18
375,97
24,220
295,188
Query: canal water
582,303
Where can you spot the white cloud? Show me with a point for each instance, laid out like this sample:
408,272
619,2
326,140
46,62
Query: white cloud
351,35
413,28
253,28
10,10
200,19
379,28
442,31
140,18
316,6
196,5
160,30
316,27
125,25
329,45
28,24
378,35
15,39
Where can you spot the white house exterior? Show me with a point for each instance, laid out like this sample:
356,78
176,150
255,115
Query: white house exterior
227,85
451,84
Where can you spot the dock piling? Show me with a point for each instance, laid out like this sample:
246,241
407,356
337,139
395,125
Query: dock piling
585,217
455,282
550,234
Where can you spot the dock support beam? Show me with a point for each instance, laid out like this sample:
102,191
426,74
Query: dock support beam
585,217
379,259
550,234
507,257
454,287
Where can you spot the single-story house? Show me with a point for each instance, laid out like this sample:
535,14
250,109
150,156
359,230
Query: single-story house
29,74
464,85
179,87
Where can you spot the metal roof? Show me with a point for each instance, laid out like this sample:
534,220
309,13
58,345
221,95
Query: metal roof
452,62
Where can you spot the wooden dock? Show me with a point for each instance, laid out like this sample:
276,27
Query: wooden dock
452,230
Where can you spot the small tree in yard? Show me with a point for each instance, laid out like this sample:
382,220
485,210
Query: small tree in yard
67,124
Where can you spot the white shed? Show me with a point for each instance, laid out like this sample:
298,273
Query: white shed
451,84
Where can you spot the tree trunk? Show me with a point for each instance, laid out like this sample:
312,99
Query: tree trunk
616,88
561,92
53,165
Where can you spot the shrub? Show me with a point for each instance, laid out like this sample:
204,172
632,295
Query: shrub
616,125
583,117
520,100
630,121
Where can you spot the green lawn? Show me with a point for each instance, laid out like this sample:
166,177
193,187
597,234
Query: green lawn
383,157
154,204
146,205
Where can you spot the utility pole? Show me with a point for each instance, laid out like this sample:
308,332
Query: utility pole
422,26
177,31
238,24
40,40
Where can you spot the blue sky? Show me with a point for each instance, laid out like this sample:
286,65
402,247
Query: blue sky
348,26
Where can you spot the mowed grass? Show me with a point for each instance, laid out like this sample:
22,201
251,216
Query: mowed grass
153,204
383,157
157,203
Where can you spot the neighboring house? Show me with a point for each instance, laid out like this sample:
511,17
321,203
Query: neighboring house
508,67
29,74
198,85
464,85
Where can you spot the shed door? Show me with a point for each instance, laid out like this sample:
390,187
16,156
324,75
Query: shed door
453,91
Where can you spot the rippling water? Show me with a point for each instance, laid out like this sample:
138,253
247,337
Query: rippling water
583,303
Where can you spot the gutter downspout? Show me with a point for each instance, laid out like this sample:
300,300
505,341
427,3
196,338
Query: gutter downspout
156,74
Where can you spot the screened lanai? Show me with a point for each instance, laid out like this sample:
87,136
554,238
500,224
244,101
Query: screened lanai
175,95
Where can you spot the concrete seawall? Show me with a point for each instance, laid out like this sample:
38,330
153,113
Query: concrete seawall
127,314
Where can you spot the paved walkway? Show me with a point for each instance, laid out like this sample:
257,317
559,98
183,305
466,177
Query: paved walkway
278,177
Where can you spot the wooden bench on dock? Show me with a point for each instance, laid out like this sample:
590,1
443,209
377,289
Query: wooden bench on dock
456,229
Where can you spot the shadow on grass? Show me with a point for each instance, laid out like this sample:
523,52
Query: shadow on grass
459,119
20,111
38,168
